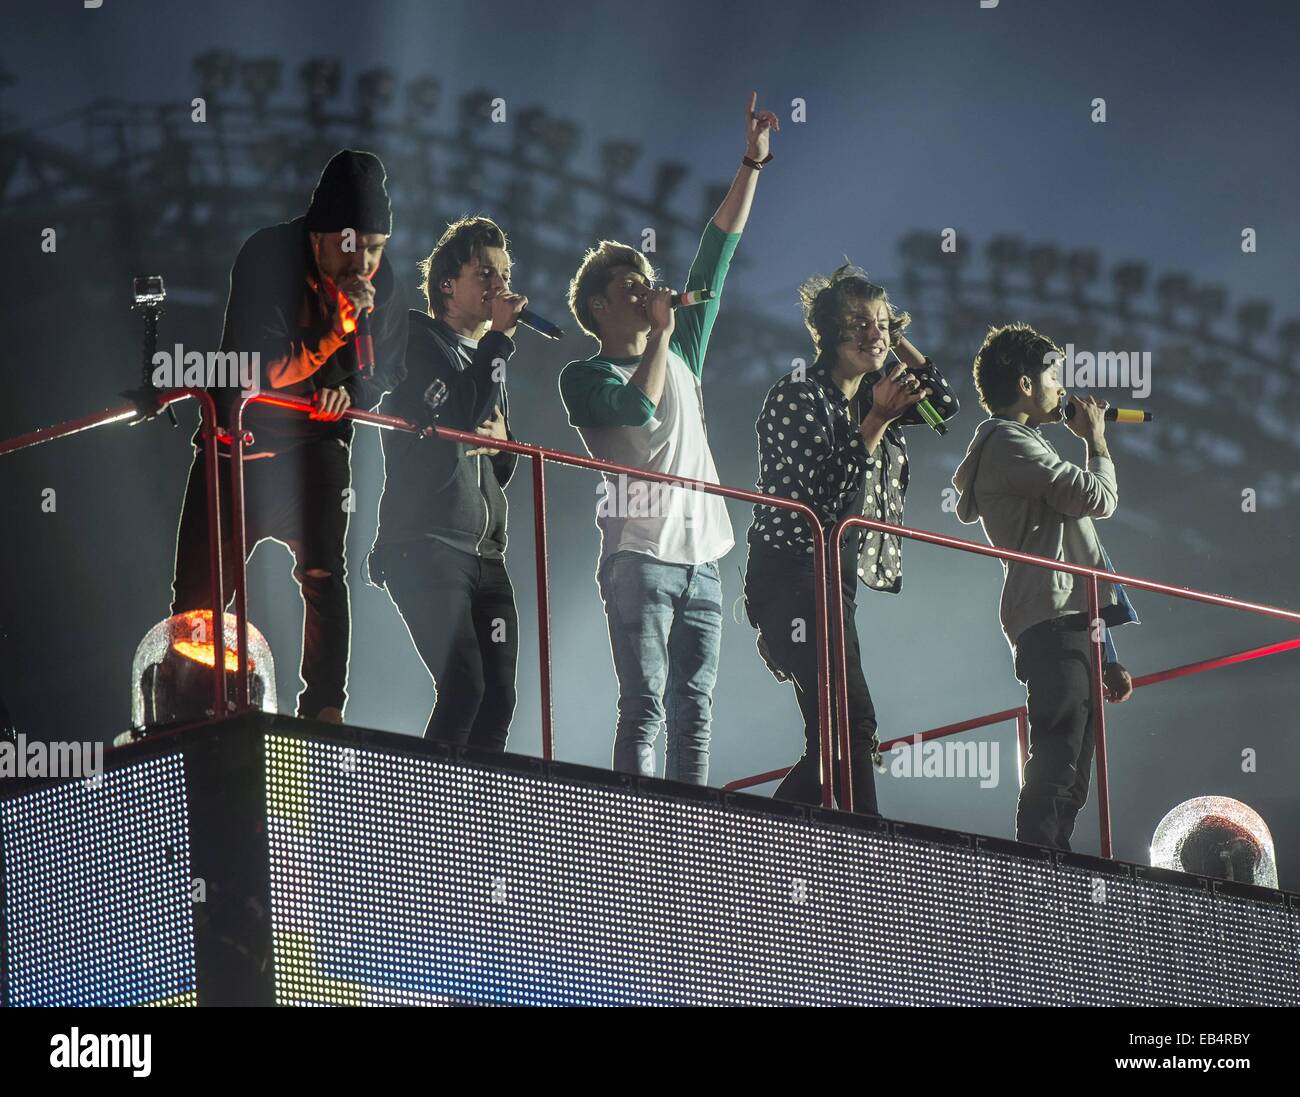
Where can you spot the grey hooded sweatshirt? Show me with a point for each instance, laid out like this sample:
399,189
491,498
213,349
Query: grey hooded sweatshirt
1029,499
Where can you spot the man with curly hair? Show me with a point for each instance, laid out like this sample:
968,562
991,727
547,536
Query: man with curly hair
1028,498
830,436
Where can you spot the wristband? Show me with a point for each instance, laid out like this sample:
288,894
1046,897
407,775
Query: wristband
757,165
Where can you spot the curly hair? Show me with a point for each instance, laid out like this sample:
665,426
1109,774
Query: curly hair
824,299
594,274
1009,353
463,240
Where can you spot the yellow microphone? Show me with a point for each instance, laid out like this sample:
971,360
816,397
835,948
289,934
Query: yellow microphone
1116,415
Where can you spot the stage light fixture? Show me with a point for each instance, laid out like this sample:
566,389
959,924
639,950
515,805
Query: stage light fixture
171,675
1216,836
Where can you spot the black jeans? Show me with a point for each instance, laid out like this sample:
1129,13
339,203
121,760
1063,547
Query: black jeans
781,598
297,497
1054,660
460,611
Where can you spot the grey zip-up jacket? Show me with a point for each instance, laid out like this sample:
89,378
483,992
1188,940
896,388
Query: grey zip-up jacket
1029,499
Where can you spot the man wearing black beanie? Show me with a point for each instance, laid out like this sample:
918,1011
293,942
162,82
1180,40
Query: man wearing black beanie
296,291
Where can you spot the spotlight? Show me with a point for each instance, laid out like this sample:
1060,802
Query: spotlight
1004,254
1216,836
260,80
1130,281
669,177
560,140
421,99
1081,268
1173,291
918,247
529,129
617,158
171,675
1253,319
1288,337
1210,303
216,71
321,78
375,89
475,111
1043,261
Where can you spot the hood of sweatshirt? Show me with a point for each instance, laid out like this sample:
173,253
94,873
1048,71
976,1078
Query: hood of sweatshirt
964,478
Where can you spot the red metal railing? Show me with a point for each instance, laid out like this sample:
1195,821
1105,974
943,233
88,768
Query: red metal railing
828,639
1020,715
540,455
208,431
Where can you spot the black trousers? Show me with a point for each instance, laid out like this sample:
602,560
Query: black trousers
460,612
1054,661
300,498
781,598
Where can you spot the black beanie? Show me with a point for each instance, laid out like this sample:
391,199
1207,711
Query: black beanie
351,195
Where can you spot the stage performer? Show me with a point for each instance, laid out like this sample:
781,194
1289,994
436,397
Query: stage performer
830,435
1028,498
639,401
296,292
441,545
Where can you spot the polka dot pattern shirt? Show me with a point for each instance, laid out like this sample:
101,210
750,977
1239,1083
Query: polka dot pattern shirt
810,450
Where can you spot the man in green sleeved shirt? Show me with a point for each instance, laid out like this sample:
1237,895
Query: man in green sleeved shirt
639,402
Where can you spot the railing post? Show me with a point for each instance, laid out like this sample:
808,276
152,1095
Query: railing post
827,767
1022,744
543,602
239,552
839,663
1099,714
208,418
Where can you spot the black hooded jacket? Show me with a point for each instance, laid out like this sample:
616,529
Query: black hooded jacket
432,489
274,310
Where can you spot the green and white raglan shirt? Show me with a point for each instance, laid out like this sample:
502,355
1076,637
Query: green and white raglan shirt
618,423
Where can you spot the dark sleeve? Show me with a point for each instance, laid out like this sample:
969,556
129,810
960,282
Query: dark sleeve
262,316
943,400
798,457
389,334
503,464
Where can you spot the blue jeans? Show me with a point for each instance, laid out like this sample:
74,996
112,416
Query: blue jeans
665,633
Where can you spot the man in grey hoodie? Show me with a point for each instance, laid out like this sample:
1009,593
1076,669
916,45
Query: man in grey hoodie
1029,499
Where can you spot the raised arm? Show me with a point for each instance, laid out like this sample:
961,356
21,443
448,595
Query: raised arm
734,211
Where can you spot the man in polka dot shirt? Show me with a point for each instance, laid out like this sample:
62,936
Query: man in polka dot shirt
830,436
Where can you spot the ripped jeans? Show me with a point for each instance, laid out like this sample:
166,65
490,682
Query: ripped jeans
297,498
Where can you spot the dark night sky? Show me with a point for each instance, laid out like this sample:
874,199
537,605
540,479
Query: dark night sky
929,114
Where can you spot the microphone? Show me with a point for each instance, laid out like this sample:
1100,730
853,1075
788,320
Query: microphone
1116,415
365,347
932,417
530,319
691,297
542,326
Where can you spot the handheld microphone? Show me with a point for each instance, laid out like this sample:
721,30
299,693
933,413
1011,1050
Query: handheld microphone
691,297
932,417
530,319
365,346
1116,415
